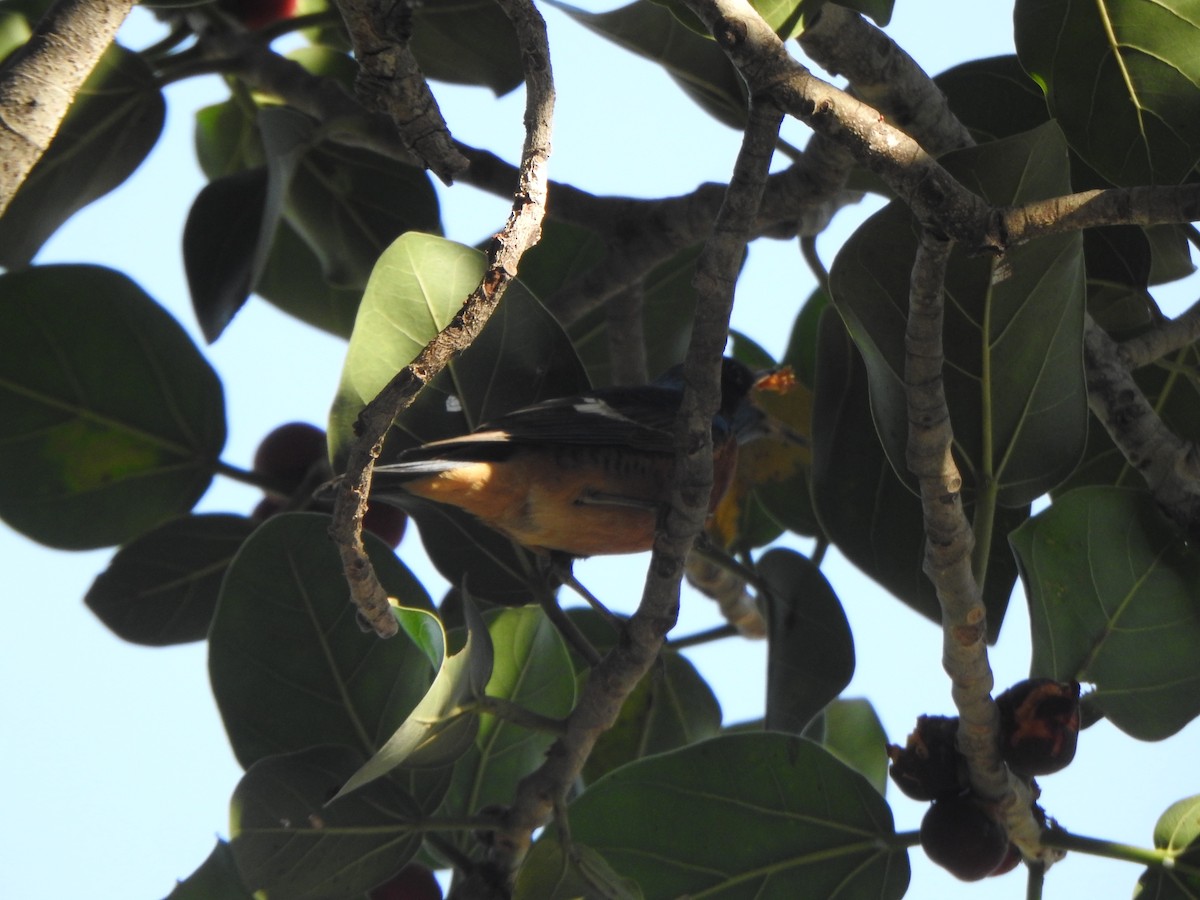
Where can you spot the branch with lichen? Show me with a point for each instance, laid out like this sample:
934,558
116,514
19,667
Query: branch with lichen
520,232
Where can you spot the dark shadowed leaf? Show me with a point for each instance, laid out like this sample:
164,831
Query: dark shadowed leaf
437,731
1013,333
696,63
293,281
994,97
289,665
216,879
1123,80
1112,596
291,842
114,122
671,707
162,587
547,873
469,42
1171,253
117,432
762,815
1178,833
864,508
811,651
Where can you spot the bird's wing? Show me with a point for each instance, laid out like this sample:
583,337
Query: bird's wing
640,418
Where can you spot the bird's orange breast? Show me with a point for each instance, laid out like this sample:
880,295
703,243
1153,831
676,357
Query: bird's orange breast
583,501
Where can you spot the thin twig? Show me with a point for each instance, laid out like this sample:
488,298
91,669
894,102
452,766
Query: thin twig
520,232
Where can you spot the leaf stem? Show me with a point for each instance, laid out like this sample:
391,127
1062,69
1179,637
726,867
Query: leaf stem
716,633
505,709
983,520
1064,840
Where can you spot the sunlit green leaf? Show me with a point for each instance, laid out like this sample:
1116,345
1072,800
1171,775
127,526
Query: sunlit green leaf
438,730
290,666
854,734
117,432
762,815
1177,832
532,670
1122,78
114,122
291,841
162,587
1112,595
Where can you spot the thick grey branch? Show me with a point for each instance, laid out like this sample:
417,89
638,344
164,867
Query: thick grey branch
880,73
1169,464
1171,335
40,80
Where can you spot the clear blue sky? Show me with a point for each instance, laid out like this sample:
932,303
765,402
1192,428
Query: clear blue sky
119,772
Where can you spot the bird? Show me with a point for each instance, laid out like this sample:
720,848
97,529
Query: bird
578,476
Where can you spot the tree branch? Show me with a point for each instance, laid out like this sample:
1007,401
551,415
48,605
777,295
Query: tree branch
948,550
520,232
1089,209
623,667
1171,335
39,81
1169,464
390,80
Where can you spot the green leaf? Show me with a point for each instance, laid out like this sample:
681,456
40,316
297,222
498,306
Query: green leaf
162,587
547,873
762,815
854,734
695,63
864,509
467,42
522,356
1170,253
289,665
671,707
292,281
810,657
291,841
105,403
533,670
14,31
1178,833
994,97
1111,587
227,140
216,879
1123,79
112,125
437,731
349,204
1013,332
229,227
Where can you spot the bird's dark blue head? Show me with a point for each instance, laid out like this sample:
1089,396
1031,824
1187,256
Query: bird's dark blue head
737,412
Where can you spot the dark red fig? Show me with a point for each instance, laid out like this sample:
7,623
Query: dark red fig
961,836
386,522
929,766
1039,725
413,882
288,453
257,13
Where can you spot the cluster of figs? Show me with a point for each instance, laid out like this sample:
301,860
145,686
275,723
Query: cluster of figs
1039,729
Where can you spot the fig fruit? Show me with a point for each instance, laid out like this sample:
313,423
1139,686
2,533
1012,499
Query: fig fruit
961,836
1039,725
929,766
287,453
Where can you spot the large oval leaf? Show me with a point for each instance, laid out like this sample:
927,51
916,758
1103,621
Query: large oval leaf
105,404
862,505
289,665
762,815
290,842
1112,595
112,125
1123,79
162,588
1013,332
810,658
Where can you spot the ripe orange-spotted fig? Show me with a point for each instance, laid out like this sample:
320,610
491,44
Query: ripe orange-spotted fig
1039,725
